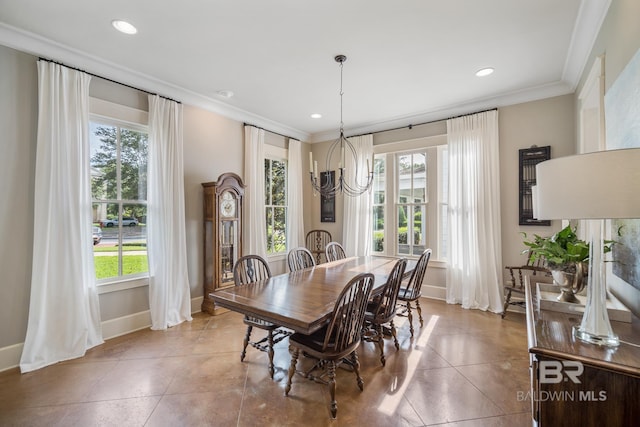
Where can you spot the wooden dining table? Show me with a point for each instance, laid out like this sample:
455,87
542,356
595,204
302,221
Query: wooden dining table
303,300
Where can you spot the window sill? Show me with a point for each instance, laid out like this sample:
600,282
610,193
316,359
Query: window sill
121,285
437,263
276,257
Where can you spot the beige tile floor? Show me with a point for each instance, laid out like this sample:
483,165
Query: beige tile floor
463,368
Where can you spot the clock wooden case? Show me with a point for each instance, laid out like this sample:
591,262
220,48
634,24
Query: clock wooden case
222,202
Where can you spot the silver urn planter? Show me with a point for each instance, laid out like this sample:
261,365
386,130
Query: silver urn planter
571,279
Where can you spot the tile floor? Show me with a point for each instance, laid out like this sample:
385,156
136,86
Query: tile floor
463,368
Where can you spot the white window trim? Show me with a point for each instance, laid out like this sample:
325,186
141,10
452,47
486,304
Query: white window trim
105,110
276,153
390,212
111,113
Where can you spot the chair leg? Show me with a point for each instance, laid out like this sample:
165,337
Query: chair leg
395,336
356,368
410,317
332,388
419,312
506,303
380,339
246,342
292,368
270,352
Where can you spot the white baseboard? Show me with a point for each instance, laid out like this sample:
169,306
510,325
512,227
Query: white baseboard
434,292
10,355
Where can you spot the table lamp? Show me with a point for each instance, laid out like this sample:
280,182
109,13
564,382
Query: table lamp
593,186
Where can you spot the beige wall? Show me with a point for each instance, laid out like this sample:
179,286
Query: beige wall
213,145
545,122
18,122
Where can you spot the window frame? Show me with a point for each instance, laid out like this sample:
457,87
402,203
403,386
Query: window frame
411,204
272,152
112,114
433,146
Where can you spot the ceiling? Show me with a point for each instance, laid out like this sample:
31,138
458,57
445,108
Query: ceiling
408,61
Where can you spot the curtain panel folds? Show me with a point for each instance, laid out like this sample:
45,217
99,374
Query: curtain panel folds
64,313
169,293
357,229
474,277
295,196
255,237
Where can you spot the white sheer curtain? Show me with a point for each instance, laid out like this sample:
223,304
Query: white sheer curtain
64,313
255,230
474,277
356,229
169,294
295,201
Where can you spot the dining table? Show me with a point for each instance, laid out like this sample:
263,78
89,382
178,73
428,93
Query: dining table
303,300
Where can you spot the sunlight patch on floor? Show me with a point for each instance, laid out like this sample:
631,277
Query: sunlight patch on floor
390,403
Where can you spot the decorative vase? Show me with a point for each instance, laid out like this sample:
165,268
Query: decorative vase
571,279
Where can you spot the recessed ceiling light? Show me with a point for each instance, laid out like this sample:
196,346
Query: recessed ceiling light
225,93
124,26
484,72
316,116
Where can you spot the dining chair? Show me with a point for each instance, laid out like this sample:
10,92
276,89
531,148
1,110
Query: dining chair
249,269
337,340
413,290
334,251
316,241
300,258
516,282
382,309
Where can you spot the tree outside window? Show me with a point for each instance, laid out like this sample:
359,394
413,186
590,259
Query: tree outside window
119,196
410,202
379,200
275,179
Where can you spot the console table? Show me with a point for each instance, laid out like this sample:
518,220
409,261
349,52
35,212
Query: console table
574,383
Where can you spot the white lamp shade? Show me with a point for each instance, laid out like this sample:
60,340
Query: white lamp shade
599,185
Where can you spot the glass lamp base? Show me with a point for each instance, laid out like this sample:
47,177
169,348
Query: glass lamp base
610,340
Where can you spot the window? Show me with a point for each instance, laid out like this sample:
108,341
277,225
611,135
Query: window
275,180
118,159
410,201
411,193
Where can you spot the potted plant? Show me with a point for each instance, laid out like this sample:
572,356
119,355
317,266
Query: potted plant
566,256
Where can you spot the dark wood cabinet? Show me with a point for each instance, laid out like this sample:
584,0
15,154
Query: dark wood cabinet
574,383
222,203
528,159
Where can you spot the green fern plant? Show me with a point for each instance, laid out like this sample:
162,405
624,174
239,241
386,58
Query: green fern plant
562,249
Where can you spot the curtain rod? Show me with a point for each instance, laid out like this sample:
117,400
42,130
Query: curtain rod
107,79
410,126
270,131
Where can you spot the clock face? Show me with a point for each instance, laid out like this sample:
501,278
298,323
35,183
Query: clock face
227,204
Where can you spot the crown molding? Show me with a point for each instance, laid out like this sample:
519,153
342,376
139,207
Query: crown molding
39,46
585,32
445,112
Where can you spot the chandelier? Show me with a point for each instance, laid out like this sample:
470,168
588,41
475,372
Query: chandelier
326,184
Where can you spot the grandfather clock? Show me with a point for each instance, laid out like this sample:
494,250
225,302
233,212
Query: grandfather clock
222,201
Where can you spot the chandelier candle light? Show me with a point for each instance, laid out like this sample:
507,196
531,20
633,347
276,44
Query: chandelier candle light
351,187
593,186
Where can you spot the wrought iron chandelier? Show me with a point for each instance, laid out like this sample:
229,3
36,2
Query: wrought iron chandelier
326,184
